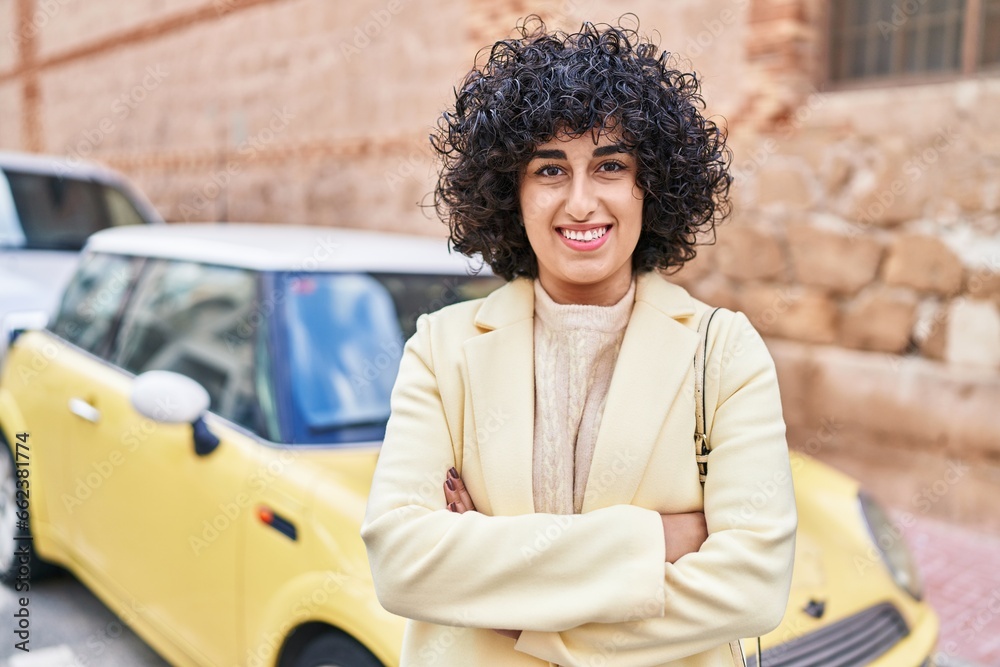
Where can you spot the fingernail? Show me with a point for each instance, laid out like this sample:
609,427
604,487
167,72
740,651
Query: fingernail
453,473
453,507
450,484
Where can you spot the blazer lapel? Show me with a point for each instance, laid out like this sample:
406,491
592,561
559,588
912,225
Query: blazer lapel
501,370
656,355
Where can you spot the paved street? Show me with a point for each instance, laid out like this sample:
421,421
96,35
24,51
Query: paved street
963,584
71,628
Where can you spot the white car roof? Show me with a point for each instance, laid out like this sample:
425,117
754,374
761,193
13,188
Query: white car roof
271,247
54,164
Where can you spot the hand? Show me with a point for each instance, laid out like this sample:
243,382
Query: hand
457,497
683,534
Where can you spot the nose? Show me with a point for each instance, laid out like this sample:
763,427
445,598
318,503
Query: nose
581,201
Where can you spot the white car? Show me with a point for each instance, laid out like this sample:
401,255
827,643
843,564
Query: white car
49,206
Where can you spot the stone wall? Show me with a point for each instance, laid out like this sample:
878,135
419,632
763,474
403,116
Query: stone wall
864,240
865,244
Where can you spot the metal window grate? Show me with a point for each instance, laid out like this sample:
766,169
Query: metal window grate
989,41
852,642
873,39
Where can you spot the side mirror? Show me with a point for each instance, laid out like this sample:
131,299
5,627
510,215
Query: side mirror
172,398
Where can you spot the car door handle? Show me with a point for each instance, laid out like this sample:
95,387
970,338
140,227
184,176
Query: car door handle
84,410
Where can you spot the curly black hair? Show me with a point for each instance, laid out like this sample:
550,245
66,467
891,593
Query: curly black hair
538,84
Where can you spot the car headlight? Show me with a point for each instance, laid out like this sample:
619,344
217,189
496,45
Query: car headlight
888,537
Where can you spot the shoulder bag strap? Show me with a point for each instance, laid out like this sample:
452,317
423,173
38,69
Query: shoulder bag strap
701,446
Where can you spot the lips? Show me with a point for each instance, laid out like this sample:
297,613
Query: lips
584,234
585,237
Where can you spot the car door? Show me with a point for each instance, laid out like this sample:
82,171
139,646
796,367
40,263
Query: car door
53,380
164,524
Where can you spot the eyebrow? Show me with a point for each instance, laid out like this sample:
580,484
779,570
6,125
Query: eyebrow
609,150
556,154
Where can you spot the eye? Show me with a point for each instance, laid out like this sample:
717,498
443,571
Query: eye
612,166
548,170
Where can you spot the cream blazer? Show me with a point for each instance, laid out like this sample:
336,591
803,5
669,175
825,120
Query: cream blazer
591,588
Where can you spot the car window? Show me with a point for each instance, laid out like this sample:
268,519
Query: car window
415,295
343,341
200,321
11,233
120,209
60,212
343,335
93,300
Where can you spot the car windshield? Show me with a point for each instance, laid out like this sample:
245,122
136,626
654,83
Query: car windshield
343,337
59,213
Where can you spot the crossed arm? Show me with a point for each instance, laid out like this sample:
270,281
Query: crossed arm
682,533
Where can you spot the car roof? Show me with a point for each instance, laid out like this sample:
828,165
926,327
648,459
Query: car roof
273,247
57,165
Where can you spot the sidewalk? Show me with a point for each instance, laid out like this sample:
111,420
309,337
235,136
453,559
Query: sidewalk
962,582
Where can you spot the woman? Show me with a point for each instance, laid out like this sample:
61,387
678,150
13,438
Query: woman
537,498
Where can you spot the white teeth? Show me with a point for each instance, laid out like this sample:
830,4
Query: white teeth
589,235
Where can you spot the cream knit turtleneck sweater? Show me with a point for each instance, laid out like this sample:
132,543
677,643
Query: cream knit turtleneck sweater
576,347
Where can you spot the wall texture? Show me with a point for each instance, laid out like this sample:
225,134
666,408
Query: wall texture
865,241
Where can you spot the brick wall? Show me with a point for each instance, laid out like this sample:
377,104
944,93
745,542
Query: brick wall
272,110
864,236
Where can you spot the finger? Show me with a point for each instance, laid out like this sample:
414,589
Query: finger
450,494
463,493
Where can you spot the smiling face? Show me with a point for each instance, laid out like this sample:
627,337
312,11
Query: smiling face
582,212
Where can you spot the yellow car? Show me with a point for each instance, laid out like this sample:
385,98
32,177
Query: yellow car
194,434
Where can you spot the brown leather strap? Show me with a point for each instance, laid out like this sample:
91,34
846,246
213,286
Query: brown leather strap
701,448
